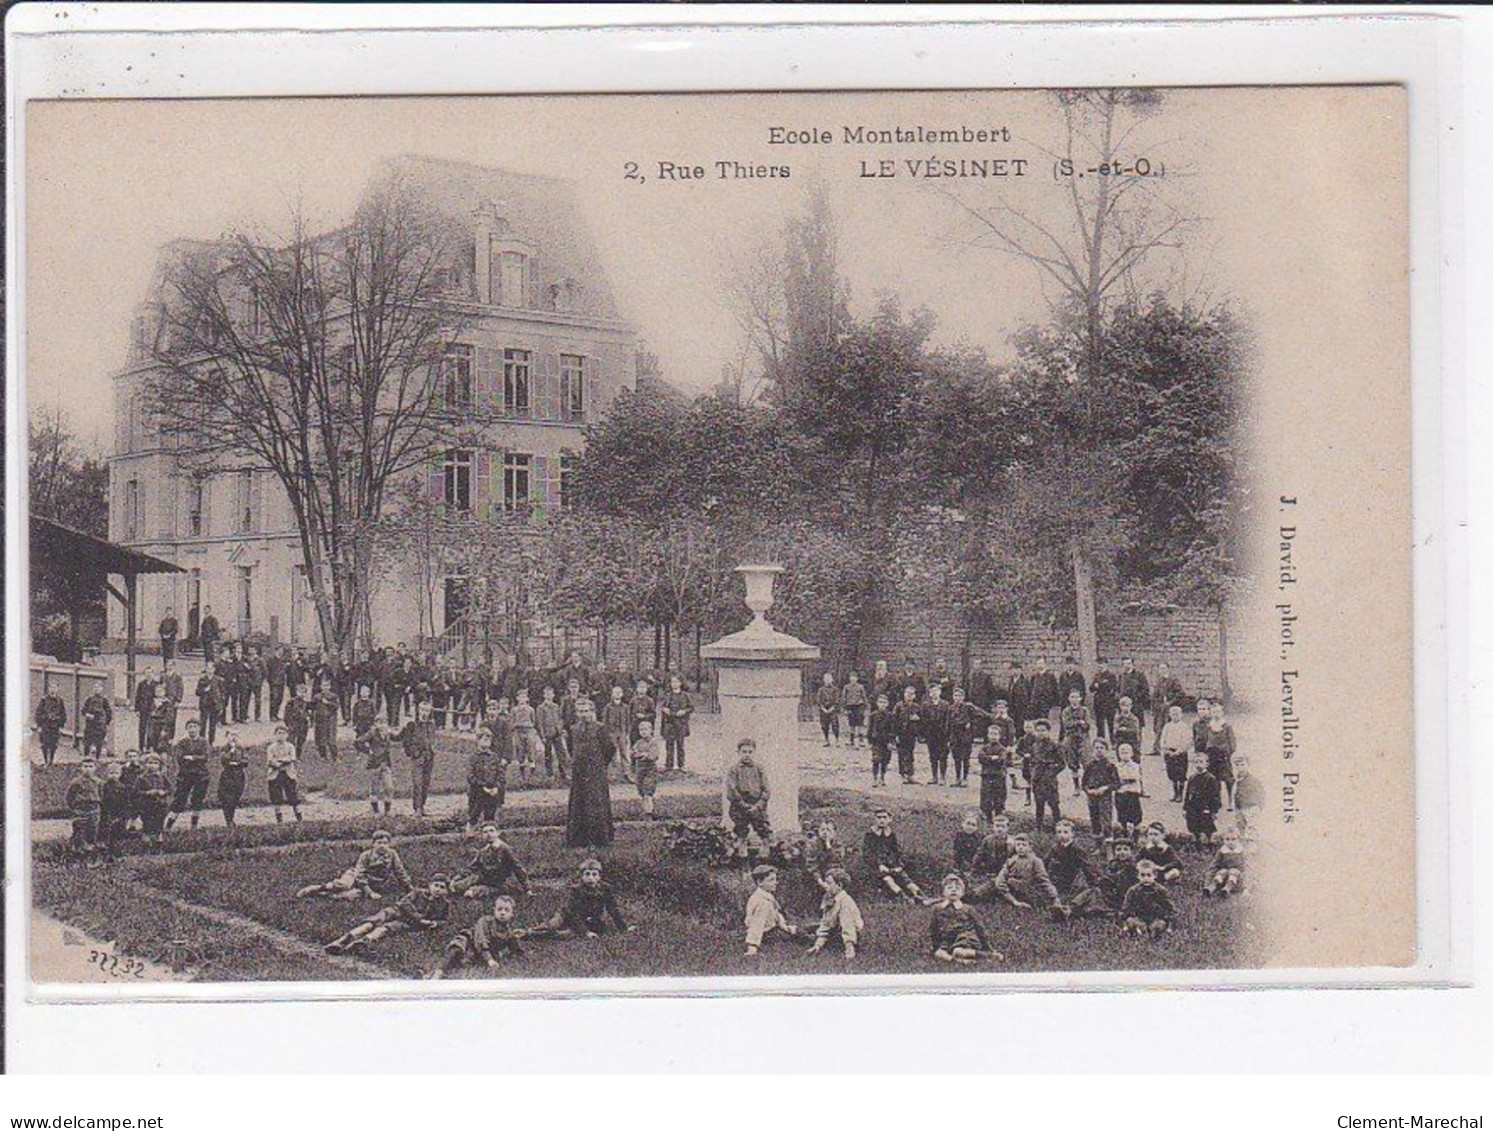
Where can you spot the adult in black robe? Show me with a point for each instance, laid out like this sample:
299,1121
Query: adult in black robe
588,823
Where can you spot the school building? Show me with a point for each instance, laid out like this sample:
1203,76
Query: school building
544,352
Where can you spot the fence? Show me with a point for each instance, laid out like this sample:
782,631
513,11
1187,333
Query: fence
74,682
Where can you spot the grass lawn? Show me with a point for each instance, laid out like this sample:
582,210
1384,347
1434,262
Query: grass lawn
688,916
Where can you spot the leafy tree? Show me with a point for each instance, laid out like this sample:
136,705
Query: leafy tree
69,485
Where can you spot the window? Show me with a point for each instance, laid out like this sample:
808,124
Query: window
456,377
196,504
513,270
243,507
572,386
516,476
516,367
567,479
459,479
132,514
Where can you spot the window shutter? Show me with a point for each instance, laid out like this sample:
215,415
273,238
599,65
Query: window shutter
207,494
591,387
552,483
435,479
485,390
538,497
482,485
547,385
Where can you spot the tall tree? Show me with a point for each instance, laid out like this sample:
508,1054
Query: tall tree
1116,218
318,359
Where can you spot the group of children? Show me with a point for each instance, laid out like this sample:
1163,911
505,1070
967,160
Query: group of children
1127,881
110,798
494,872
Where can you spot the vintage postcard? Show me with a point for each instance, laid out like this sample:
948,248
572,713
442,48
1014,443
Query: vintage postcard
678,542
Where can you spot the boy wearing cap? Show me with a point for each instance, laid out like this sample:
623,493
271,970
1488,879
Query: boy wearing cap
192,773
423,909
841,914
280,772
589,905
489,938
956,933
883,854
747,793
378,873
764,915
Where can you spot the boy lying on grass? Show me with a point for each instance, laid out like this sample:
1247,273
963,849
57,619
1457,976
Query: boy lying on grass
378,873
423,909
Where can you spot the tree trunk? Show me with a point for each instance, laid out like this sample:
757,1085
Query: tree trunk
1088,628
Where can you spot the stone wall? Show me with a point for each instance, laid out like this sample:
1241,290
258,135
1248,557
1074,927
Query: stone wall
1190,640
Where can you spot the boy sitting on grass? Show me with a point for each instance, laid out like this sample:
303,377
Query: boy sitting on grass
423,909
1160,853
990,858
824,851
1073,873
588,906
884,856
955,930
841,914
1118,877
378,873
1147,909
1226,873
967,843
491,868
1023,881
489,938
764,915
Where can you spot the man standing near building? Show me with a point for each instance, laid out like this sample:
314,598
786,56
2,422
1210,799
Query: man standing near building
210,702
1104,695
168,630
172,689
1135,686
145,705
209,633
274,672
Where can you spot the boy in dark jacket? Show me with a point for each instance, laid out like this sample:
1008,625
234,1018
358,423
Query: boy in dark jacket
955,931
192,775
994,765
589,905
883,855
487,779
489,939
1202,798
423,909
51,716
491,868
1148,909
880,734
114,807
1160,853
1047,762
85,806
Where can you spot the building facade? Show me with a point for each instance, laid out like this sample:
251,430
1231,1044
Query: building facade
542,353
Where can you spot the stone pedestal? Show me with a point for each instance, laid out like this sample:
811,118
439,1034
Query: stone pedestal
760,687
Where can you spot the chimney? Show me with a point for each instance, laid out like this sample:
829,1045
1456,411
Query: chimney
485,226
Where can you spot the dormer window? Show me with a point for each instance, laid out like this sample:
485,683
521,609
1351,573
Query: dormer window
513,278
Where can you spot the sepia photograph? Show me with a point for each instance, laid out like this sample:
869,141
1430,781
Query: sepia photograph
738,540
